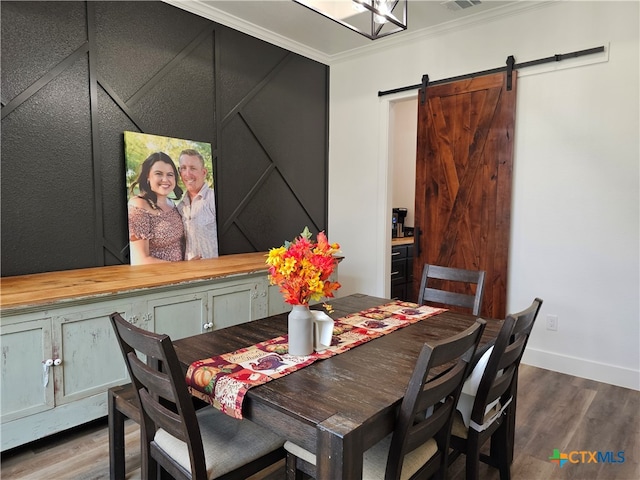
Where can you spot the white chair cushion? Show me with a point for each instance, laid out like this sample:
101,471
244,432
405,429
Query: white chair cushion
470,388
375,459
460,430
228,443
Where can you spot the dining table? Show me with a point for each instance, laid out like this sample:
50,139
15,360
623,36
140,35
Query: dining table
340,406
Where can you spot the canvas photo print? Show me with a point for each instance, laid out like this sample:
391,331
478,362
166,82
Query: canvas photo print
170,199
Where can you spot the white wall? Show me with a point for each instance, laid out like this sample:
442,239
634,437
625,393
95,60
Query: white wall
403,124
576,207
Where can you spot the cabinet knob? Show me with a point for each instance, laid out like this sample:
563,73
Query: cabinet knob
57,361
208,325
48,362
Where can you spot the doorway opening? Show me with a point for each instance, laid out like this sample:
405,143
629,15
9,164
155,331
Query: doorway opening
401,167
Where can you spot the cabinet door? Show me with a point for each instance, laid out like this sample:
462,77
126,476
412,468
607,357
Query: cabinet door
238,303
26,385
90,359
276,301
179,316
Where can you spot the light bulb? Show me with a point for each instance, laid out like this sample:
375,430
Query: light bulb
383,7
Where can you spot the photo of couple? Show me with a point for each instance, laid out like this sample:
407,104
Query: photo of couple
171,202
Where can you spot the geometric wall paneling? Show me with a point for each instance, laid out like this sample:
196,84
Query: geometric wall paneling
241,63
283,139
237,241
274,209
302,158
37,36
139,38
192,101
47,189
112,121
75,75
239,142
185,85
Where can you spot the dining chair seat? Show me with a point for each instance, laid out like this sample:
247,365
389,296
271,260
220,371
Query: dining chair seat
375,459
228,443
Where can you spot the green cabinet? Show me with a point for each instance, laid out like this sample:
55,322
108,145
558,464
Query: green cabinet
207,308
59,361
24,387
178,316
56,367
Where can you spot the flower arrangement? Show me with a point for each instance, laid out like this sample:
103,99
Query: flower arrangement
302,268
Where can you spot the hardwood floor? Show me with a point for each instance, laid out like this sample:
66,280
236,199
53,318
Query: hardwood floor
555,411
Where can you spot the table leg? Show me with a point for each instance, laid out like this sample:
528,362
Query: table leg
338,449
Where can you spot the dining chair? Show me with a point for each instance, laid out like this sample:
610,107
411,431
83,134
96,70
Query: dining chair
493,410
419,444
183,442
452,286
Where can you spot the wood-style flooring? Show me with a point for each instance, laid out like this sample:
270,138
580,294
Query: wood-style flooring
555,411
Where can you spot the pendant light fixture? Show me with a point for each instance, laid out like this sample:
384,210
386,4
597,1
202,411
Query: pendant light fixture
371,18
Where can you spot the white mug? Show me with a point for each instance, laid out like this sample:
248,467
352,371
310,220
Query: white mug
322,330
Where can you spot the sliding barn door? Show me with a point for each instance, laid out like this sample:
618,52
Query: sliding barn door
463,180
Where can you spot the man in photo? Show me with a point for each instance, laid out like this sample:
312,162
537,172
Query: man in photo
197,208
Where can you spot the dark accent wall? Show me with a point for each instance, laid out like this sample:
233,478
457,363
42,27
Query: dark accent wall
75,75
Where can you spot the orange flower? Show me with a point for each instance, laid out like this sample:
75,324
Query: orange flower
302,268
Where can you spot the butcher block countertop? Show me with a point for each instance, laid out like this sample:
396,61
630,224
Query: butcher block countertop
42,289
402,241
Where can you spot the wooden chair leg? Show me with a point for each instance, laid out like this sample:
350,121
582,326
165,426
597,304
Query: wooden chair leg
472,466
121,405
116,438
501,449
291,469
510,420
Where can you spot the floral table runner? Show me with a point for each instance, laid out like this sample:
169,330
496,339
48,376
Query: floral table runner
224,380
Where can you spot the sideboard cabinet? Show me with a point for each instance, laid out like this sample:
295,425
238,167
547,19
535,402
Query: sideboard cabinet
60,354
206,308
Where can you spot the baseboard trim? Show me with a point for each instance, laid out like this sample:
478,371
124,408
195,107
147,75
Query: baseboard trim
580,367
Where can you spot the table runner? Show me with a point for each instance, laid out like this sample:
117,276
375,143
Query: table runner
224,380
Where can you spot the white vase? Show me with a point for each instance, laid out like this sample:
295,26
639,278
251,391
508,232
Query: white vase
300,330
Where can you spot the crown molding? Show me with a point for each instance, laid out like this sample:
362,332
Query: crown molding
207,11
223,18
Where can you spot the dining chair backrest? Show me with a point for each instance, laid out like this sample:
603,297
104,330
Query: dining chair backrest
430,400
452,286
493,409
163,396
497,381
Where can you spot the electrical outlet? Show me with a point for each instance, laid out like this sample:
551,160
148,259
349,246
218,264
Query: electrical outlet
552,322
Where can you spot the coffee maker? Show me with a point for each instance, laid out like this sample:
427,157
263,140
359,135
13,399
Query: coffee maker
397,222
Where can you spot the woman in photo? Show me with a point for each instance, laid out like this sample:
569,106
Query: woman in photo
156,233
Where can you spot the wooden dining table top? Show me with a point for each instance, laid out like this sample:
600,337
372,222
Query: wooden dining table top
340,406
